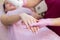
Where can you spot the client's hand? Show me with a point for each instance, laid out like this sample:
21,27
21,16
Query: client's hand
27,19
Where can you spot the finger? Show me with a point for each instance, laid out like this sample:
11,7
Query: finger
32,21
26,23
32,29
36,29
29,22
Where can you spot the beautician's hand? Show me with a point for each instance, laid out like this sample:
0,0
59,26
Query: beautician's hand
27,19
42,22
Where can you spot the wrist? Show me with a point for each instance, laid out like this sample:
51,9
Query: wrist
22,14
49,22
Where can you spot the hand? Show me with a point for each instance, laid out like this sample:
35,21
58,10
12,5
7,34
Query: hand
42,22
36,15
27,19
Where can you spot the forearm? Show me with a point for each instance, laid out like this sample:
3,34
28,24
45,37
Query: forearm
55,22
7,20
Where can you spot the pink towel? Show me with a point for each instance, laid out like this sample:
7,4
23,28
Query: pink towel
19,32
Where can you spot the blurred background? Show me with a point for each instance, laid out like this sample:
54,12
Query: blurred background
1,1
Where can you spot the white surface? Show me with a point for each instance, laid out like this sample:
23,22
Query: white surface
17,3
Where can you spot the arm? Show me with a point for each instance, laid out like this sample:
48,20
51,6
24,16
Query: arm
13,16
55,22
7,20
47,22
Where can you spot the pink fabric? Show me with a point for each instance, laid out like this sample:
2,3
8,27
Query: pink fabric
3,30
19,32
